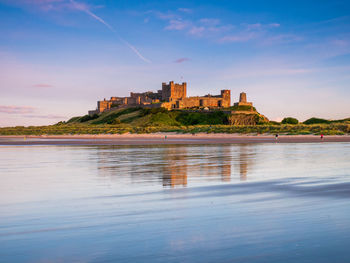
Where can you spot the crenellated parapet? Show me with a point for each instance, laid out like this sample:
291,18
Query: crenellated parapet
171,96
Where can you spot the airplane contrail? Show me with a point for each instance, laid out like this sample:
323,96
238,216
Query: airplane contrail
83,8
135,50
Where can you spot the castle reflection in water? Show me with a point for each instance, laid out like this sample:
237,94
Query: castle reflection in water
175,166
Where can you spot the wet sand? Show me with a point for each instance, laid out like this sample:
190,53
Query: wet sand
164,138
256,203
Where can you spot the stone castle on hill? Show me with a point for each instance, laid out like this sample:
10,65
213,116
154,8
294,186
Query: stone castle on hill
171,96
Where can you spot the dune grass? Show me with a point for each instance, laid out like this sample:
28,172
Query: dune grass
137,120
58,129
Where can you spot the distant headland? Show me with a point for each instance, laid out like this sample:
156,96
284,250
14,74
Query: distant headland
173,96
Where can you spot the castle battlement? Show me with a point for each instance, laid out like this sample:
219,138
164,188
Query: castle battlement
171,96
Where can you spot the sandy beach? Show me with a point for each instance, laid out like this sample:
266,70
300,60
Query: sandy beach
163,138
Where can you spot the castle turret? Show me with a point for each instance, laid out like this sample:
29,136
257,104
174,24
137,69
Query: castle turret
243,97
243,100
226,98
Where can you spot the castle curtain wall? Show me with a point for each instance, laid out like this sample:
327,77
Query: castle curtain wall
172,96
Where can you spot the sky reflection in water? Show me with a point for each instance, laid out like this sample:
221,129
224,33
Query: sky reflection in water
198,203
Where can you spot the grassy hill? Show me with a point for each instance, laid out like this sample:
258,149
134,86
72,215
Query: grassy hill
153,117
138,120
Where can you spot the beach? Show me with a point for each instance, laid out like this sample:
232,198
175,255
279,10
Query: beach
164,138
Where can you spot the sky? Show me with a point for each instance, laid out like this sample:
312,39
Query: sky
58,57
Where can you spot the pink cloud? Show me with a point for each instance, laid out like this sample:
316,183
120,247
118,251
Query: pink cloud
254,26
243,37
53,5
42,85
43,2
197,30
16,109
340,42
210,21
282,38
274,25
49,116
28,112
177,25
259,26
48,5
162,16
185,10
181,60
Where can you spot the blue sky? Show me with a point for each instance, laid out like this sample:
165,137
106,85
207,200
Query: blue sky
58,57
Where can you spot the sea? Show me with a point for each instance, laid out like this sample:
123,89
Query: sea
263,202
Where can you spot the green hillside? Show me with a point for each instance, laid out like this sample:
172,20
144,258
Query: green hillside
153,117
138,120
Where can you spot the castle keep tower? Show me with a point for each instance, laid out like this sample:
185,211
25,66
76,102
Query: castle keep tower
173,91
226,98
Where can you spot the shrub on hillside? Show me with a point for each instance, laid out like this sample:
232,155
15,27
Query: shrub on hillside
242,108
112,116
163,118
316,121
198,118
74,119
88,118
115,121
274,123
290,120
147,111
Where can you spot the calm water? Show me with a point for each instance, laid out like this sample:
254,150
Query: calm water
226,203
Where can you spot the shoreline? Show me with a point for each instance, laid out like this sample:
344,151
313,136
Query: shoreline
164,138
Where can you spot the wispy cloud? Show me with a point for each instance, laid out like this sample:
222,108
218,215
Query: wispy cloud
42,85
214,29
48,116
197,30
27,112
181,60
274,25
177,25
210,21
43,5
340,42
16,109
185,10
202,28
281,38
162,15
260,26
241,37
253,31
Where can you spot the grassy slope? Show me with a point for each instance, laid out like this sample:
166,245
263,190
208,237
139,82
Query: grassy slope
136,120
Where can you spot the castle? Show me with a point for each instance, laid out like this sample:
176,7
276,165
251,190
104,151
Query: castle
171,96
